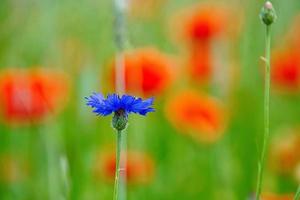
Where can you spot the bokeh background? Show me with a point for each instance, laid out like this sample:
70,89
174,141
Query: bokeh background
201,60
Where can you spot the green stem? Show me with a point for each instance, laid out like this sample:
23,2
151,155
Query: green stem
297,195
266,113
117,173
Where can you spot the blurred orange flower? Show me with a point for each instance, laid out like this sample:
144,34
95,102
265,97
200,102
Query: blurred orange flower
197,115
200,64
202,23
270,196
147,72
139,167
29,95
285,152
286,70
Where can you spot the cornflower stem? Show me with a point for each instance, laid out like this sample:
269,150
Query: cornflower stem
297,195
117,173
261,163
120,40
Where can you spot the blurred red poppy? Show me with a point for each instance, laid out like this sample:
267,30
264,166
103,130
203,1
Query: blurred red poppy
147,72
197,115
139,167
30,95
286,70
285,152
270,196
200,66
202,23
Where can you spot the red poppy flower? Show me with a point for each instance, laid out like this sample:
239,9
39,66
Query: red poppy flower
139,167
286,70
147,72
30,95
202,23
197,115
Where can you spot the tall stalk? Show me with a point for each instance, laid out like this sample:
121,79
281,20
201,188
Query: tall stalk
118,169
119,29
268,16
266,115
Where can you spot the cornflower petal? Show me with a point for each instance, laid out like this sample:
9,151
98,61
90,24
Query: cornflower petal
114,103
127,101
96,101
142,107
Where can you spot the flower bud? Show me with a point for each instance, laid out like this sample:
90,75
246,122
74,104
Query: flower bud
120,120
268,14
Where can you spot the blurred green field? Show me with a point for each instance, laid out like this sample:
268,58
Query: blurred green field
62,156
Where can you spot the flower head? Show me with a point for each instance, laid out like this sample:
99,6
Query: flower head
30,95
115,103
121,106
197,115
286,70
147,72
203,22
268,14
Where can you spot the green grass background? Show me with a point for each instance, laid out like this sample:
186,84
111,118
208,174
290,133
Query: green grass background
37,32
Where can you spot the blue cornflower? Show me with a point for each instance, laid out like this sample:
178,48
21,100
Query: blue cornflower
121,106
115,103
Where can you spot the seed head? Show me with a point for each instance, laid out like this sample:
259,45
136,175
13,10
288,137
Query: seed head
268,14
